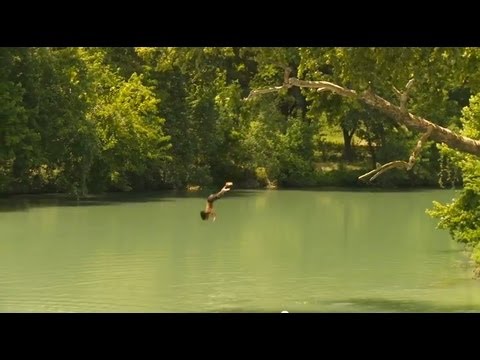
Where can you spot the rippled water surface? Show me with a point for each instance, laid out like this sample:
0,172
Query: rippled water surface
268,251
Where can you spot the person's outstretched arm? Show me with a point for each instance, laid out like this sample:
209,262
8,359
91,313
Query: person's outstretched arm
218,195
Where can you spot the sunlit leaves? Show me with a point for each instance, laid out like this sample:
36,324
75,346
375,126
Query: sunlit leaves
124,113
462,216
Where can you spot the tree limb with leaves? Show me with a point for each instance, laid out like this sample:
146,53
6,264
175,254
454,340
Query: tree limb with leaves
399,114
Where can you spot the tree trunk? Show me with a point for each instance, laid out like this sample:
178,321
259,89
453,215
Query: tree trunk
372,152
347,144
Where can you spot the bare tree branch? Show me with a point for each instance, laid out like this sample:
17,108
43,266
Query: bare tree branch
264,91
403,117
286,85
409,84
286,76
396,91
385,167
403,96
413,158
399,163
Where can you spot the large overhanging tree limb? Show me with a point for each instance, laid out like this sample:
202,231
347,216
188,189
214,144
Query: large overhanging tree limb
398,113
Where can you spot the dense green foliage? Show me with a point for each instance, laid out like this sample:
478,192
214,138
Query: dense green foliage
462,216
83,120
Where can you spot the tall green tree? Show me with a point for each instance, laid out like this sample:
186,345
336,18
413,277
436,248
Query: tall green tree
461,217
125,116
16,137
